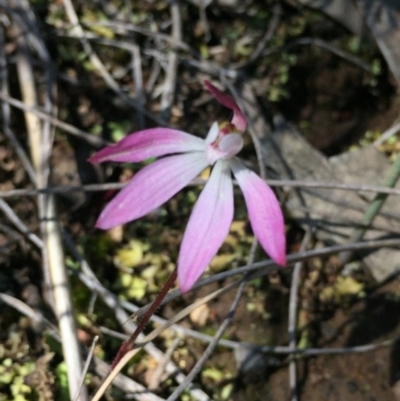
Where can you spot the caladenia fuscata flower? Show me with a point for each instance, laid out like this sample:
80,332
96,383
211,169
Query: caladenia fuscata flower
212,214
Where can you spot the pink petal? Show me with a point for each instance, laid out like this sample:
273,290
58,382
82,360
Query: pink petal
239,119
149,143
207,227
151,187
265,214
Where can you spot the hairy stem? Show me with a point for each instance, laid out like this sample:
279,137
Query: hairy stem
128,345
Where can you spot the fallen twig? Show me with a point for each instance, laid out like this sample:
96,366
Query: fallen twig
293,316
167,96
54,121
198,181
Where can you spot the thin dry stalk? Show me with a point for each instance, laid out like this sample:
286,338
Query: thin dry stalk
40,143
293,317
158,372
68,128
198,181
91,281
139,392
19,224
5,108
87,364
167,97
98,64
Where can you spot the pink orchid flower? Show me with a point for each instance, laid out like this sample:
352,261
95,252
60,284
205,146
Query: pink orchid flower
212,214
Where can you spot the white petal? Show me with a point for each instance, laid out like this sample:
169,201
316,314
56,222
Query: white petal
212,133
231,145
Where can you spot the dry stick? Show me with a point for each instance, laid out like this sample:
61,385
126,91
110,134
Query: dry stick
99,66
269,349
128,46
134,389
262,44
150,337
136,61
91,281
95,286
278,349
293,316
137,75
158,372
12,216
63,306
216,70
203,65
303,352
210,68
61,302
40,142
87,364
325,45
88,278
179,330
183,313
153,76
121,28
126,384
70,129
150,348
167,97
373,209
241,283
120,44
260,269
114,373
281,350
29,34
198,181
203,4
387,134
120,380
5,107
211,347
26,310
335,200
26,83
138,80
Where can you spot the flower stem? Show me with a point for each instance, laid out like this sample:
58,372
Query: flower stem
128,345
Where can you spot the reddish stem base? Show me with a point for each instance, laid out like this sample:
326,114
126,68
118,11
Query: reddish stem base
128,345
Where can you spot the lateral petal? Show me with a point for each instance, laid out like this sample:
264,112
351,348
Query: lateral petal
208,226
151,187
238,120
149,143
265,213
